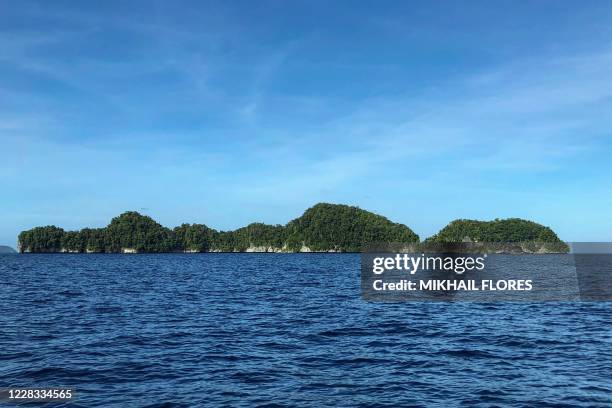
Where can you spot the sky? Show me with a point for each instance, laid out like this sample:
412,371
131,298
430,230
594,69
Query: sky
227,113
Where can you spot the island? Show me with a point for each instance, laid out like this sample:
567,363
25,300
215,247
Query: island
322,228
7,250
511,235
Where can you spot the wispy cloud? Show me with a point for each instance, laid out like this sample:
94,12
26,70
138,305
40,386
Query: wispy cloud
204,113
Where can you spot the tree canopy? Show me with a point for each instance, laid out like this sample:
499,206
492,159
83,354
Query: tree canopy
511,230
324,227
42,239
344,228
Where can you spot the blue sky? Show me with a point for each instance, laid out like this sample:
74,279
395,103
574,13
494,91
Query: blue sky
233,112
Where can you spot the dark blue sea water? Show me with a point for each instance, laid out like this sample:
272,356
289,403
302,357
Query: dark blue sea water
283,330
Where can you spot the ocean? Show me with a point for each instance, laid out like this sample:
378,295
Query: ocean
190,330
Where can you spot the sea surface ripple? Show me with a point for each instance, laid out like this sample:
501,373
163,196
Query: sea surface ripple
250,330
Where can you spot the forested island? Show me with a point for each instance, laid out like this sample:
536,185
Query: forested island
508,235
322,228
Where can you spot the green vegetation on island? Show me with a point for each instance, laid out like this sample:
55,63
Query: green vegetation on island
340,227
507,235
324,228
